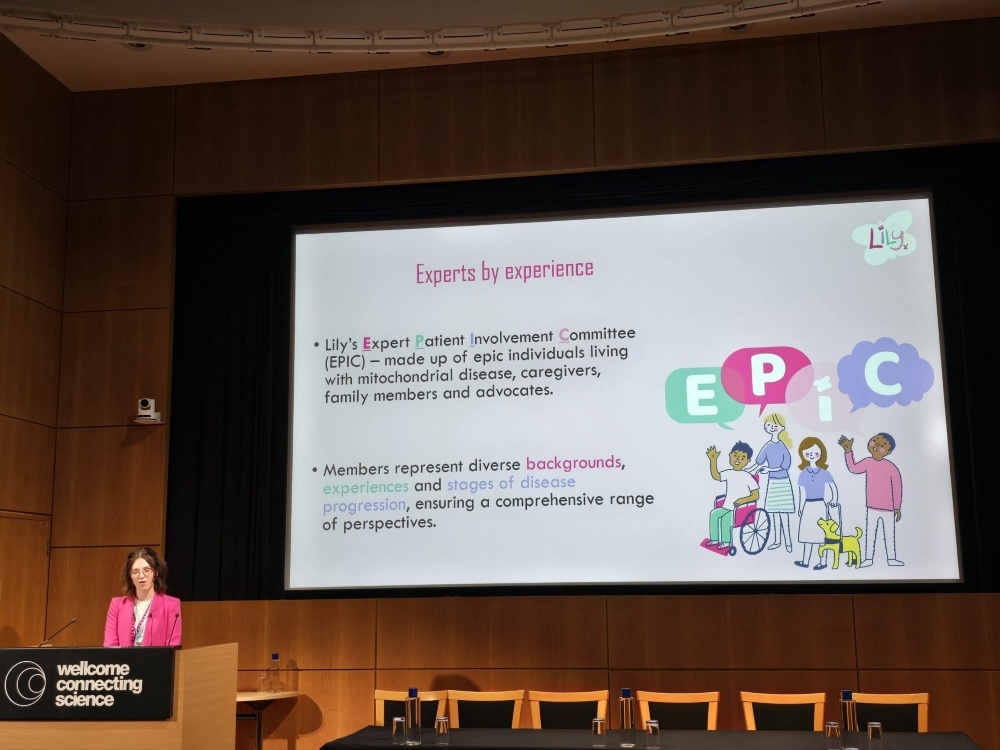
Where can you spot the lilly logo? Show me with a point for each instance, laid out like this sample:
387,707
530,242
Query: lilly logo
886,240
24,684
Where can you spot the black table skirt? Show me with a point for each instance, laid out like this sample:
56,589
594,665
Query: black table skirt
379,738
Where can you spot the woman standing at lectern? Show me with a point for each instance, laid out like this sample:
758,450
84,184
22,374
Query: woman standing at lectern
145,615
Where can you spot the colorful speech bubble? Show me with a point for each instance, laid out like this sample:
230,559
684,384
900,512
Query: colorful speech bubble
762,375
695,395
823,409
884,373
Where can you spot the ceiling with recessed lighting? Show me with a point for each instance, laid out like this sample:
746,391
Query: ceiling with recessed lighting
91,45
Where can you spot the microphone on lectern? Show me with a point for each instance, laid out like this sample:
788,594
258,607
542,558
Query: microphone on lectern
177,616
56,633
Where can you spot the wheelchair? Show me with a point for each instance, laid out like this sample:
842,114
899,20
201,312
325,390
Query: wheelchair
752,525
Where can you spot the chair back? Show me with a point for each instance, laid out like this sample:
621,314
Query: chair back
680,710
485,709
390,703
898,712
567,710
783,711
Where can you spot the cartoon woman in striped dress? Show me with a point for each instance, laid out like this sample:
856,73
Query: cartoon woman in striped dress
774,460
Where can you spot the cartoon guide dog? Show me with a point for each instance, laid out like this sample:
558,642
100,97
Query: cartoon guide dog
850,546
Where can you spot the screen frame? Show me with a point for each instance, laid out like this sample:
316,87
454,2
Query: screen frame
699,207
205,221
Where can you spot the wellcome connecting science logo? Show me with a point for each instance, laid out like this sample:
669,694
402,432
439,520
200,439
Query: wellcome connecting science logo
86,683
79,684
24,684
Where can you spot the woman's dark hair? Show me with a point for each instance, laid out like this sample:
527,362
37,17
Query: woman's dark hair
158,565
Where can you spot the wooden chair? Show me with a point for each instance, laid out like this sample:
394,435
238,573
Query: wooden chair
679,710
898,712
485,709
390,703
571,710
802,711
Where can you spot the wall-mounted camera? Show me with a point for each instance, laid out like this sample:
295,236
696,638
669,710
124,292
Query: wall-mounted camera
147,412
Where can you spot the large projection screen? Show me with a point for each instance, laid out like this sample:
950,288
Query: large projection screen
538,402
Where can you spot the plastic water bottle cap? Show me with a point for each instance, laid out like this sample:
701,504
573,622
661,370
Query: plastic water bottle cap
846,695
274,657
412,692
626,692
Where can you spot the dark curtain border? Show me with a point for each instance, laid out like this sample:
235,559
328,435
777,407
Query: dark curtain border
230,379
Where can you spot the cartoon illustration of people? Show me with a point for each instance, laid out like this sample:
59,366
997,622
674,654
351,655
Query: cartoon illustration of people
815,483
774,460
883,493
741,488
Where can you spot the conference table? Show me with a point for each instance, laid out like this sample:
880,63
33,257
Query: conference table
371,738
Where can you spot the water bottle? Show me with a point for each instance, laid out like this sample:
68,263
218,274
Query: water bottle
850,735
627,709
274,675
412,717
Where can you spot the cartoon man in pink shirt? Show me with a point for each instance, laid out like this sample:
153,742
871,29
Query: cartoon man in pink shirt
883,493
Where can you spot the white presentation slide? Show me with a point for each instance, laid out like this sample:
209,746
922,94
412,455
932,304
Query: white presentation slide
738,395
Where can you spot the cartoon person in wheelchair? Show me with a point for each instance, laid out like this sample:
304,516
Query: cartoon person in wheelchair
741,492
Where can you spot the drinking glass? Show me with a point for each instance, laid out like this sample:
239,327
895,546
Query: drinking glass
399,730
833,739
262,682
441,733
874,735
652,734
599,733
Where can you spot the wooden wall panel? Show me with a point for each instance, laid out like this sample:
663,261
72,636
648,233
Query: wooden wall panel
705,102
123,143
912,85
109,361
32,237
110,485
24,566
82,581
483,632
34,119
928,631
245,623
731,682
491,119
274,134
324,633
119,254
492,679
960,700
29,381
332,703
316,634
26,460
713,632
